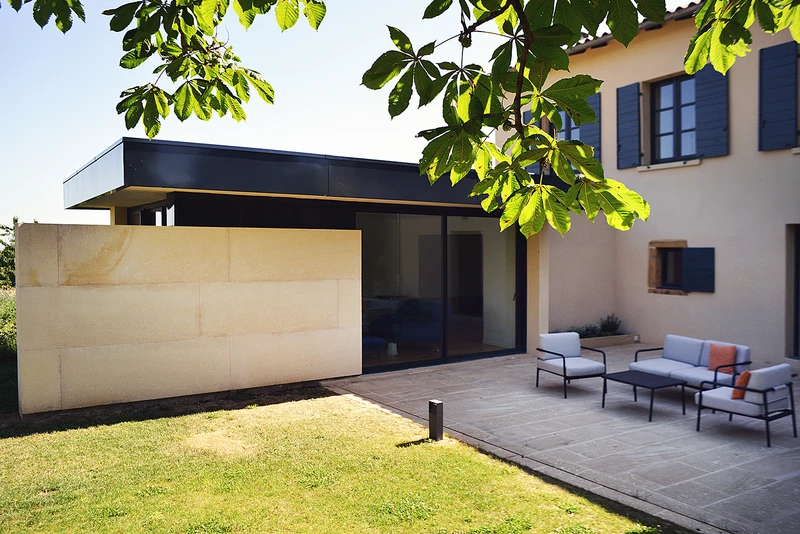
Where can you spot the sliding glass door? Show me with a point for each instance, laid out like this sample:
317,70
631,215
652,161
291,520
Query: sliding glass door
435,286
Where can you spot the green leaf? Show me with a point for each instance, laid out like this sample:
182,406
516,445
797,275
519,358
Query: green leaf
151,117
122,16
622,20
483,161
512,208
580,86
638,206
263,88
287,13
721,55
386,67
653,10
502,60
132,60
531,218
436,156
436,8
184,102
427,49
538,71
401,40
589,201
314,12
555,212
698,53
401,94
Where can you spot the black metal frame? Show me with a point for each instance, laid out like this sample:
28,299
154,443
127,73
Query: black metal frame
767,416
682,384
564,365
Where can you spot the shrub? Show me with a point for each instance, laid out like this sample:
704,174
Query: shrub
8,323
610,324
586,330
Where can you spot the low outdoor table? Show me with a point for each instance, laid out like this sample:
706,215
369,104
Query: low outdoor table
645,380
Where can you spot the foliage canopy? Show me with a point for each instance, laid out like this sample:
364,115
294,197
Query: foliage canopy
182,36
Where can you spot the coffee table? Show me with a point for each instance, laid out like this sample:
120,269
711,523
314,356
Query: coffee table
645,380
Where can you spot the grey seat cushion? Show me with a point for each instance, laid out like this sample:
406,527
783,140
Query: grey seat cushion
695,375
565,343
682,349
659,366
576,367
720,399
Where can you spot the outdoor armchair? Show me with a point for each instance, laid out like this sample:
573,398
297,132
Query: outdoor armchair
768,396
561,355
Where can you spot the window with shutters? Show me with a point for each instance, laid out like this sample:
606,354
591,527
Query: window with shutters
676,269
778,97
674,135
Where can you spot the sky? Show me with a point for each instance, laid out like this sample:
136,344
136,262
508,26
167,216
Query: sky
58,95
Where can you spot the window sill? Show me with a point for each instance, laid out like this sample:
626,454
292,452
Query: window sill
660,291
670,165
796,151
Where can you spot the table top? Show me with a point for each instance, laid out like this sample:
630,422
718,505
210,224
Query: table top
644,380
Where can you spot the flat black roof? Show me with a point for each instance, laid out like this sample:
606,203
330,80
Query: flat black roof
134,172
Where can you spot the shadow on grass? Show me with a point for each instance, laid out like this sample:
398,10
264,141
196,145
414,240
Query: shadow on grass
412,443
12,426
8,385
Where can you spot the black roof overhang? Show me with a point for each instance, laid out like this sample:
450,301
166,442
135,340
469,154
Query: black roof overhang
134,172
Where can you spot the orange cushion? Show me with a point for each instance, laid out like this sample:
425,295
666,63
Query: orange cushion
721,355
742,381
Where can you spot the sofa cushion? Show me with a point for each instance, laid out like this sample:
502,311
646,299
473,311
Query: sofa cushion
742,353
720,399
683,349
719,354
741,382
566,343
777,375
576,367
695,375
659,366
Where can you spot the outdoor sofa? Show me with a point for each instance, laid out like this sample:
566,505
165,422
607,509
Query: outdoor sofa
686,358
766,395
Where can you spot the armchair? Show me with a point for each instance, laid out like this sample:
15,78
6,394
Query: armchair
561,355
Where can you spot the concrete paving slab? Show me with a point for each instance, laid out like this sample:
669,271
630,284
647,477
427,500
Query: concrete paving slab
722,479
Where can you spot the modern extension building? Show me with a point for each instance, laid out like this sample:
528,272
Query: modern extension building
273,267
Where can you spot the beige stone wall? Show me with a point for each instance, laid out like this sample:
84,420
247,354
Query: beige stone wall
111,314
740,204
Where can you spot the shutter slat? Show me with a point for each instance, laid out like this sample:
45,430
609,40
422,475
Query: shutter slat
628,128
698,269
711,90
777,97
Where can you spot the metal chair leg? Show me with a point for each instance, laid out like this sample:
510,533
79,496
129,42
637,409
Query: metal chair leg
766,421
537,377
565,387
698,417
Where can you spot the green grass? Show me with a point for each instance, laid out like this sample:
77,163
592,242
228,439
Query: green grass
317,464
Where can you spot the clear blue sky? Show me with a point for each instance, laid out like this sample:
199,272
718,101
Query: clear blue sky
58,94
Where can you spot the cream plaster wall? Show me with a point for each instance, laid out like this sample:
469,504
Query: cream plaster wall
739,204
111,314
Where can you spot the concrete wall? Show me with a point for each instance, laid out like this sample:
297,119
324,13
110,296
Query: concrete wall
111,314
738,204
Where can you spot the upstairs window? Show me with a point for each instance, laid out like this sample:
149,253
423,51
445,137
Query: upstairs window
674,119
568,131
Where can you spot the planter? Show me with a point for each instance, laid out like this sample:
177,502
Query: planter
608,341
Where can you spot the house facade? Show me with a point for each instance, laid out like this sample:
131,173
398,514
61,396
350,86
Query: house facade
717,158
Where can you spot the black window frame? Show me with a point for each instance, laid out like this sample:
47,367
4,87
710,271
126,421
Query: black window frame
677,130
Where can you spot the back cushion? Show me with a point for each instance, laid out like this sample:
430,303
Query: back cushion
683,349
767,378
566,343
742,353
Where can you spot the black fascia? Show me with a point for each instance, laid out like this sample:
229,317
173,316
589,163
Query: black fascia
212,168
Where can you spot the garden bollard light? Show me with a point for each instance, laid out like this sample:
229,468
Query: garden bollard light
436,419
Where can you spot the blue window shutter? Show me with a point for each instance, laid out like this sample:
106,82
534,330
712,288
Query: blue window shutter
777,97
533,168
628,129
711,94
590,132
698,269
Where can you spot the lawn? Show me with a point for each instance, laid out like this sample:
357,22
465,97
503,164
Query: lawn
308,461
